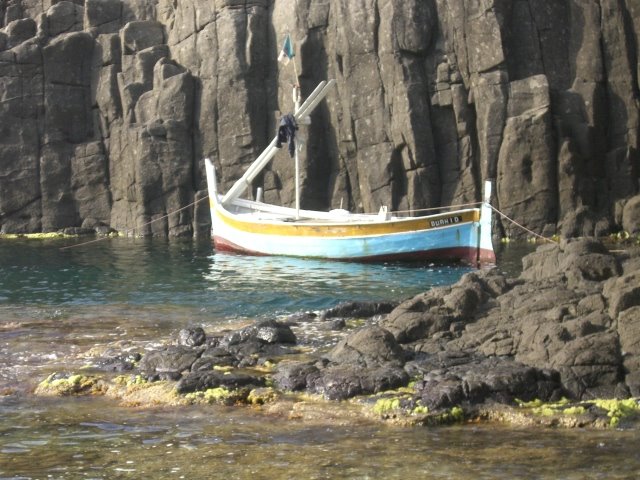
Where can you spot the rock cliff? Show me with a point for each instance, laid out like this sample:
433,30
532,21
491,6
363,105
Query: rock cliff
109,106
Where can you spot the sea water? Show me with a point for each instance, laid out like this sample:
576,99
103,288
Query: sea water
57,305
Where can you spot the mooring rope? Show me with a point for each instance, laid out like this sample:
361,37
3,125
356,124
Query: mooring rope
546,239
126,232
131,230
475,204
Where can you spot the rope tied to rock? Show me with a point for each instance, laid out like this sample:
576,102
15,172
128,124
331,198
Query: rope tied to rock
463,205
132,230
537,235
475,204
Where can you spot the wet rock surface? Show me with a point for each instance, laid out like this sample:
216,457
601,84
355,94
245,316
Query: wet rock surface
563,328
490,378
195,354
567,329
207,379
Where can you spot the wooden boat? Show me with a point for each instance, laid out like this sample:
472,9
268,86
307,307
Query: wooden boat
254,227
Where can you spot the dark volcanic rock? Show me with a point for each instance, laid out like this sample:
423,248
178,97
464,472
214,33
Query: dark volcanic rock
118,363
295,375
266,331
19,31
411,326
199,381
497,379
569,326
244,348
368,347
622,292
358,310
581,262
436,310
339,382
566,327
631,215
169,362
629,330
192,337
215,357
590,366
365,362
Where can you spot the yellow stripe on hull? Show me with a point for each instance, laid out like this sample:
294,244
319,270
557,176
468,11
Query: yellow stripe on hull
328,229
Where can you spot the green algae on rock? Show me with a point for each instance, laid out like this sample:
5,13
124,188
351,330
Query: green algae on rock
61,384
402,409
386,407
618,410
233,396
396,407
598,410
219,395
130,380
36,236
263,395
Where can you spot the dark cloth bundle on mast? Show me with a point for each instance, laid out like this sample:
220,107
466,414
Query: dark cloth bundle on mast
287,133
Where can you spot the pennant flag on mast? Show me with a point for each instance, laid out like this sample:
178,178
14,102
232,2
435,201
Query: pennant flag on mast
286,54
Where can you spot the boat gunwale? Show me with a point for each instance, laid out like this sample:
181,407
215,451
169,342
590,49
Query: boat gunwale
304,227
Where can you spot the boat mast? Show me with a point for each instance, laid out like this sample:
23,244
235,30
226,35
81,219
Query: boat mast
296,102
265,157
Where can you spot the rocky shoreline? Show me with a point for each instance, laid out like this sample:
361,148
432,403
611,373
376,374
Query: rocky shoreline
559,345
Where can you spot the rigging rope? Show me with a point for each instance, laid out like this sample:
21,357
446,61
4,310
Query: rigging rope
431,209
131,230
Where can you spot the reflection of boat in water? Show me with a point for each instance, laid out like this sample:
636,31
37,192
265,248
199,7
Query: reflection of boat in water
258,284
254,227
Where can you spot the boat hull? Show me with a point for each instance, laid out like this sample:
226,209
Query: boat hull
255,228
399,240
467,255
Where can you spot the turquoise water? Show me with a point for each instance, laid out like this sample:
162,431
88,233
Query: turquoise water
58,306
145,272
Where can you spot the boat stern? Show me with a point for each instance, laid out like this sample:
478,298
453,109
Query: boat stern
486,254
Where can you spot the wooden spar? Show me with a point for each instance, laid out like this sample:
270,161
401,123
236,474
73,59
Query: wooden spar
313,100
243,182
267,154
